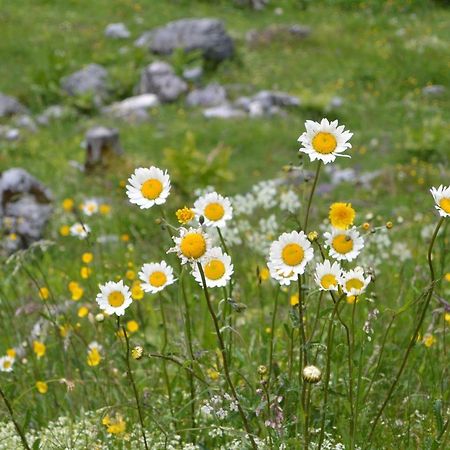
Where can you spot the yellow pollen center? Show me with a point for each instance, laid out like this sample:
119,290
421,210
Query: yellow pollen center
324,143
116,299
292,254
445,205
214,269
214,211
328,280
7,364
354,283
342,243
157,279
193,245
151,188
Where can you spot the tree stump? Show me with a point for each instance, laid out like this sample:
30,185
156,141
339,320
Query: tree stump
101,144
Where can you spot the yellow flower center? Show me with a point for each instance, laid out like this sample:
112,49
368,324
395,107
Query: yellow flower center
328,280
445,205
193,245
151,188
341,215
157,279
7,364
292,254
353,283
214,269
116,299
342,243
214,211
324,143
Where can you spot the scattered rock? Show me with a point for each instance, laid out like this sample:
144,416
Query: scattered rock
275,33
257,5
159,78
91,79
193,74
212,95
133,109
207,35
101,143
144,40
24,209
267,103
336,102
117,31
9,133
27,122
10,106
225,111
434,90
51,113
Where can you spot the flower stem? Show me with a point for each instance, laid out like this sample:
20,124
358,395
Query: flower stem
224,357
415,333
311,195
272,333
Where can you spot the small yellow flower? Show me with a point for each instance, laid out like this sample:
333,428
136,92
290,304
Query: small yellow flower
125,237
312,236
105,209
352,299
264,274
389,225
94,357
64,230
116,425
87,257
85,272
67,204
132,326
42,387
83,312
447,276
11,352
130,275
185,215
268,330
137,352
39,348
447,317
212,374
64,330
44,293
294,300
366,226
137,293
341,215
429,340
12,236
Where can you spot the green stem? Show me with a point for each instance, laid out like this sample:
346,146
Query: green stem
272,333
415,333
224,357
311,195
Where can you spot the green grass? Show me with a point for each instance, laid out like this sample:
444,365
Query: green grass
377,56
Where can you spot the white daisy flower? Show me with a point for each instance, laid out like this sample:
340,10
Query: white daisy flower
327,275
324,141
156,276
353,282
344,244
277,275
148,187
6,363
215,208
90,207
290,253
191,245
114,298
80,230
441,197
217,268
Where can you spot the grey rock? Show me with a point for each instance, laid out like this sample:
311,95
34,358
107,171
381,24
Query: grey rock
91,79
225,111
101,144
434,90
193,73
144,39
9,133
207,35
53,112
212,95
159,78
10,106
272,33
336,102
117,31
133,109
27,122
26,205
267,103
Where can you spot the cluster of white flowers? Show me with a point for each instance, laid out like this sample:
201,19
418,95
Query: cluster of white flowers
219,406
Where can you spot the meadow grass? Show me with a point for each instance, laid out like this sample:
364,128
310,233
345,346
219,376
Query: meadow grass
377,56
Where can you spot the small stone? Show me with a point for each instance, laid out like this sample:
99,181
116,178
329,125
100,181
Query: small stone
51,113
225,111
193,74
434,90
212,95
10,106
133,109
117,31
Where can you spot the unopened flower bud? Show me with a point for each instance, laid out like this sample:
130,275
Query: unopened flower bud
312,374
313,235
262,370
137,352
99,317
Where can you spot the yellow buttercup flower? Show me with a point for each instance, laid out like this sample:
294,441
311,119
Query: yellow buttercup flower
264,274
83,312
341,215
94,357
132,326
87,257
137,293
185,215
105,209
11,352
212,374
39,348
85,272
64,230
67,204
294,300
130,275
429,340
42,387
447,276
44,293
114,425
447,317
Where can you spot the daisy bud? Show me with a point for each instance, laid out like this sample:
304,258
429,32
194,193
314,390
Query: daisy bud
262,370
366,225
201,220
158,221
137,352
100,317
312,374
389,225
313,235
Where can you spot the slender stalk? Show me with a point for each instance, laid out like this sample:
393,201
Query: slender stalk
415,333
133,384
328,370
352,350
16,425
224,357
311,195
222,241
272,333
